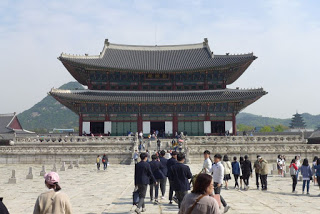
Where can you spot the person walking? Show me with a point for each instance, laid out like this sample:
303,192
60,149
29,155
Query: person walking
293,173
314,163
306,173
241,167
156,169
207,163
280,165
247,172
53,200
317,171
257,170
218,175
172,161
200,200
227,170
236,171
163,182
135,157
264,173
105,161
142,177
158,144
180,174
98,161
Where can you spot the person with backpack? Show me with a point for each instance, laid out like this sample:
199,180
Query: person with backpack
293,173
227,170
53,200
156,169
98,161
105,161
306,173
236,171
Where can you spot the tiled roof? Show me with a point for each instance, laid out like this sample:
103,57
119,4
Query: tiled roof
157,96
5,120
158,58
315,135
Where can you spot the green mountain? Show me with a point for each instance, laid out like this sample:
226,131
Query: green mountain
49,113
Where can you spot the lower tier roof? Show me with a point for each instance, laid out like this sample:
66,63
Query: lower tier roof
152,97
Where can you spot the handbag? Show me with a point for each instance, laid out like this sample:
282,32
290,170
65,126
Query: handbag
194,204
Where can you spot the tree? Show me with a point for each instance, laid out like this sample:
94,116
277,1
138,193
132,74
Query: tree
242,128
280,128
266,129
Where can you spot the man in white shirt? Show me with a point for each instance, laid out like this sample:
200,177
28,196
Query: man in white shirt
217,175
207,164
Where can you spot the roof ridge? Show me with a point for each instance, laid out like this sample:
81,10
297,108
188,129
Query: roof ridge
7,114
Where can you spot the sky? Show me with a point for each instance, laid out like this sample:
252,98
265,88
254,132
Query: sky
283,34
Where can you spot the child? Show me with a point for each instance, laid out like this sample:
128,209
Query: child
293,172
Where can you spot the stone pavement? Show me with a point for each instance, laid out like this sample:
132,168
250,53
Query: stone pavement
102,192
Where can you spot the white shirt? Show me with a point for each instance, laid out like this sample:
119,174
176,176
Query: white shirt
207,165
217,172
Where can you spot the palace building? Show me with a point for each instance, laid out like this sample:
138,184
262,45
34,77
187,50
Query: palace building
171,89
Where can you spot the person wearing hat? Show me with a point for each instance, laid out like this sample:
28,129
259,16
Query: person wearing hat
257,169
53,200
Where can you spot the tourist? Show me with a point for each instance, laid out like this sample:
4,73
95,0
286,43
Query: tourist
314,163
53,200
227,170
148,155
247,172
264,173
158,145
156,169
200,200
168,154
163,182
279,165
180,174
3,208
136,156
257,170
218,175
241,167
207,163
172,161
236,171
142,177
306,173
317,169
298,159
98,161
293,173
105,161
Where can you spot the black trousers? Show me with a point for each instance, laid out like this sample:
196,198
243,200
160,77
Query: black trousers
98,166
163,183
156,189
258,176
236,177
142,189
264,182
318,180
246,179
170,190
217,190
294,182
180,195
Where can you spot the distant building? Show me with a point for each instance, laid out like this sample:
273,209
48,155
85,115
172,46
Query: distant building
315,137
10,126
297,122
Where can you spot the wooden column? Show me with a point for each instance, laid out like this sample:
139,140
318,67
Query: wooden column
234,125
80,124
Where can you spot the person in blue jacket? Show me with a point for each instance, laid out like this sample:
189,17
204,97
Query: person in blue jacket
156,169
236,171
306,173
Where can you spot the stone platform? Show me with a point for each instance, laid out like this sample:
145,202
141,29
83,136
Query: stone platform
102,192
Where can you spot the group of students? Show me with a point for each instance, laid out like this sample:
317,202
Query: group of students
308,173
205,184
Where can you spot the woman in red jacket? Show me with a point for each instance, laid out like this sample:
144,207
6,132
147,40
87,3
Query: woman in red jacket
293,172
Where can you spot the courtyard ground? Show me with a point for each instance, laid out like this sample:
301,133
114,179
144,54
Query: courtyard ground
102,192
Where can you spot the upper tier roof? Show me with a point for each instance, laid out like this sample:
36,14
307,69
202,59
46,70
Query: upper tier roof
190,57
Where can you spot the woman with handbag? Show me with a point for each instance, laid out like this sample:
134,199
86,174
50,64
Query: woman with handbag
200,200
53,200
306,173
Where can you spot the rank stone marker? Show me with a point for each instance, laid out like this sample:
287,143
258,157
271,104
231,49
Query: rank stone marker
13,179
77,164
29,175
70,166
43,171
54,168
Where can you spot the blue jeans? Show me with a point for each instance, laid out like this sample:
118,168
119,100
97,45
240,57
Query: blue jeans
304,185
105,165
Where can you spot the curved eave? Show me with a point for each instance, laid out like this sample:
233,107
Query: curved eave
156,97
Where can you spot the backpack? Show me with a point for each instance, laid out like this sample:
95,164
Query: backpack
293,171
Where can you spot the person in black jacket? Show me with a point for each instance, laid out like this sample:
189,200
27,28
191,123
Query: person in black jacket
180,175
172,161
3,208
142,177
163,182
156,168
247,172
